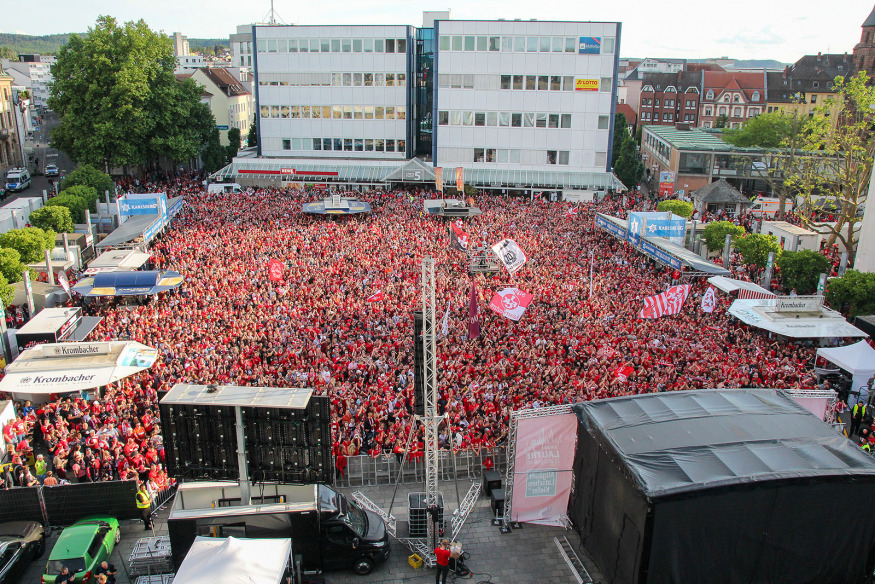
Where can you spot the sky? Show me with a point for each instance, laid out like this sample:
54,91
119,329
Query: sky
743,29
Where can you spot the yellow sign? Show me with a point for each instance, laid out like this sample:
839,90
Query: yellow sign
439,179
586,84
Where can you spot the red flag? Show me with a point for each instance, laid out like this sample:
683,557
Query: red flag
623,373
473,319
376,296
709,300
275,270
668,302
511,303
458,238
572,212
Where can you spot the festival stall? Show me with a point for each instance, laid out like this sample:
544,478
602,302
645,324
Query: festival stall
858,360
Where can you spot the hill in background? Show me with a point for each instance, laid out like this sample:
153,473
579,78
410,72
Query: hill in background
13,44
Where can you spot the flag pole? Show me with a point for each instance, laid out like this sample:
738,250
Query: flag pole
591,259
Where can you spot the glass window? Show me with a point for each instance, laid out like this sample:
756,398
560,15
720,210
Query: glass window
379,79
336,112
530,82
325,45
359,145
513,156
544,45
555,83
347,79
315,112
296,144
566,120
369,144
558,44
335,45
604,122
479,154
608,45
303,45
369,112
336,79
467,118
606,84
504,119
356,45
287,144
294,113
379,145
390,113
401,112
455,118
505,81
443,118
390,45
357,112
543,83
271,45
402,144
553,121
262,46
314,45
507,44
694,163
390,145
379,46
357,79
481,43
516,120
390,80
317,143
479,119
293,45
490,155
305,111
347,112
519,44
401,46
369,48
338,144
274,111
563,157
457,43
551,157
540,120
494,43
502,156
346,45
517,81
326,143
570,45
401,79
491,118
470,43
444,43
568,84
529,120
369,79
532,44
347,145
379,112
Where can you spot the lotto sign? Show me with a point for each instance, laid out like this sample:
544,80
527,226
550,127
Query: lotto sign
590,46
586,84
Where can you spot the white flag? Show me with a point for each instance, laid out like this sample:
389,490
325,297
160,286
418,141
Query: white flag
510,254
709,300
64,282
445,323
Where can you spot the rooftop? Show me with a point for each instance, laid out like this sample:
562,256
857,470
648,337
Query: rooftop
692,139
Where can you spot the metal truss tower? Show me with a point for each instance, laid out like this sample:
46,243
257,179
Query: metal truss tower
431,420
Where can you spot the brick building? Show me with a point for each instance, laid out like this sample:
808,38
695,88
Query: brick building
864,52
669,98
738,96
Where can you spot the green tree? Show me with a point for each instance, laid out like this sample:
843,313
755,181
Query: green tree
7,292
252,137
801,270
86,193
621,133
119,101
76,205
721,121
681,208
854,292
55,218
769,130
11,266
629,168
755,248
30,242
87,176
233,143
214,156
715,233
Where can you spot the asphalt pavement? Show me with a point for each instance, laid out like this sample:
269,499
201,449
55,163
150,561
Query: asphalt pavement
38,146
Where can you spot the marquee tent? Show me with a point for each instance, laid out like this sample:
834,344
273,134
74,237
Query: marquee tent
857,359
235,561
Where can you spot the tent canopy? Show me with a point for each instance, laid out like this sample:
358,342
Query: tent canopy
856,358
760,312
730,285
235,561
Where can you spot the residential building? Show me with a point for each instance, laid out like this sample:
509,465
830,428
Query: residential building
10,143
804,86
229,102
669,98
180,44
186,62
242,50
864,51
731,97
34,73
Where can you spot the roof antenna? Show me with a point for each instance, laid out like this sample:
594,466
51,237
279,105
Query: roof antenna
272,17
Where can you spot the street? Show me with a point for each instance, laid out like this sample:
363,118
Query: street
39,147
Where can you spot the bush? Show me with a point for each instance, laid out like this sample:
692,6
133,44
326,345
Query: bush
88,194
30,242
54,217
681,208
11,266
755,248
801,270
854,291
76,205
715,233
88,176
7,292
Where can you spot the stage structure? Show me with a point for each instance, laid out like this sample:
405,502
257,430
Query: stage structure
431,501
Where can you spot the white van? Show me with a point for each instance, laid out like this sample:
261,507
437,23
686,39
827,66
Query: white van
17,179
767,207
224,188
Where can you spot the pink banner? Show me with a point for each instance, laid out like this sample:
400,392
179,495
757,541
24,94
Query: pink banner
542,468
815,405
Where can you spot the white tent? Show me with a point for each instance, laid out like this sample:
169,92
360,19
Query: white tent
730,285
826,323
858,360
235,561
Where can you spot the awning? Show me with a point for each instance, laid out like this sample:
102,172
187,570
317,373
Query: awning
857,359
730,285
69,367
761,314
117,260
686,257
235,561
128,283
136,227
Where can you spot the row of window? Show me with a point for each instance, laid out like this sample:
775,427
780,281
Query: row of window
510,119
666,117
332,45
735,112
734,97
345,144
658,147
336,112
522,82
518,44
322,79
537,82
647,102
513,156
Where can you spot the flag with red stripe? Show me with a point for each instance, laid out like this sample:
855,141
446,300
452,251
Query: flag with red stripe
458,238
668,302
376,296
753,294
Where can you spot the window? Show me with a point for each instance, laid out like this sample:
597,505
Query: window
455,118
722,111
369,145
708,111
271,46
736,98
491,118
457,43
314,45
336,79
347,145
558,44
608,45
755,96
402,79
369,112
390,145
479,154
544,45
369,79
494,43
691,104
347,112
379,79
606,84
401,112
551,156
555,83
401,46
467,118
604,122
570,45
357,79
336,112
470,43
505,81
287,144
326,143
444,43
710,94
390,80
813,98
274,111
479,119
669,103
293,46
504,119
540,120
317,143
390,113
563,157
667,117
335,45
379,46
601,158
359,145
517,81
736,112
380,112
507,44
443,118
390,45
568,83
516,120
543,83
532,44
645,116
566,120
726,98
481,43
529,120
530,82
338,144
553,121
297,144
346,45
519,44
379,145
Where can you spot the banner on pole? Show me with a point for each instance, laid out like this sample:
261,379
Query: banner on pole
460,180
510,254
511,303
439,179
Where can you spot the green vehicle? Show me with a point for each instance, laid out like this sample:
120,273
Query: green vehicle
81,547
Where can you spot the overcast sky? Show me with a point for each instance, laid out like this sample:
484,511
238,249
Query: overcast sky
744,29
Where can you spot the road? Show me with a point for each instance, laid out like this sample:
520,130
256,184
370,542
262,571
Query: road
39,147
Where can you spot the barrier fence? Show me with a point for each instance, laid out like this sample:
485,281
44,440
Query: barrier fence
367,471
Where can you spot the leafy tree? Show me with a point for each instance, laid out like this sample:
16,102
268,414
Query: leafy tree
214,156
629,168
53,217
233,143
755,248
769,130
252,138
715,233
86,193
76,205
30,242
681,208
7,292
621,133
119,101
801,270
88,176
11,266
854,291
721,121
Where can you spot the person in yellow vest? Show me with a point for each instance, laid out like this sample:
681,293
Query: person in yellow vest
857,415
144,504
864,444
40,467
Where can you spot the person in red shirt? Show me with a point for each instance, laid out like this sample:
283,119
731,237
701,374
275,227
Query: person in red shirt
442,558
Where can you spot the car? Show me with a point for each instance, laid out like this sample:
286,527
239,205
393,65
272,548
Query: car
20,543
81,547
51,170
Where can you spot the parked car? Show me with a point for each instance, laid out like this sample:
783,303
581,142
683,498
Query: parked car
51,170
21,542
81,547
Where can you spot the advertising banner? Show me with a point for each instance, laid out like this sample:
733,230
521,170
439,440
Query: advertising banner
439,179
542,468
586,84
143,204
609,226
666,183
460,181
666,227
590,46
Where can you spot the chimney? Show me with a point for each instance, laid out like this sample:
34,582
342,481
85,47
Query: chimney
786,70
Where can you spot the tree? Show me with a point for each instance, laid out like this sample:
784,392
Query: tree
755,248
715,233
629,168
801,270
621,133
681,208
721,121
54,218
769,130
214,156
7,292
252,138
11,266
76,205
855,291
88,176
30,242
233,143
86,193
119,101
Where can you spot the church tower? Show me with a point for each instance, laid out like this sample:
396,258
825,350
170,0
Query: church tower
864,52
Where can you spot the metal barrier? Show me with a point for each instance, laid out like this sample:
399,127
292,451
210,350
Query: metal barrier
367,471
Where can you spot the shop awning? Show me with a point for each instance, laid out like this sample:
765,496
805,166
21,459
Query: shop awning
761,313
69,367
128,283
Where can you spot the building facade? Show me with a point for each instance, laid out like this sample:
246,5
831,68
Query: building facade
35,74
10,145
229,100
669,98
804,86
864,51
731,98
